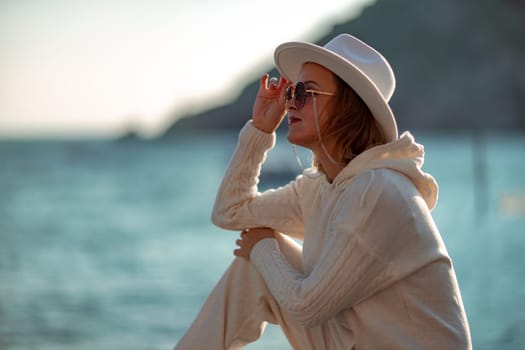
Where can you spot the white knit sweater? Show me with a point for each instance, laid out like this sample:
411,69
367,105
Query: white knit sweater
373,259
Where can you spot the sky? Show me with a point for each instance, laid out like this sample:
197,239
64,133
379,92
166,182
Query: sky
97,68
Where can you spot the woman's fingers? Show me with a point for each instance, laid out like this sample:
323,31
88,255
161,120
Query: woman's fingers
237,252
240,252
264,82
249,239
282,82
272,83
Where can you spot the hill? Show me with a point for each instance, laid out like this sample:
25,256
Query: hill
458,64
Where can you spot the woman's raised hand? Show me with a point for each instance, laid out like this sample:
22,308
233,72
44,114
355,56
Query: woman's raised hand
269,107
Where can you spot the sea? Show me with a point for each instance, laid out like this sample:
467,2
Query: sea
108,244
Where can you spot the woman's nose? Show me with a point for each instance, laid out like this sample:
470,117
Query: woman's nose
290,104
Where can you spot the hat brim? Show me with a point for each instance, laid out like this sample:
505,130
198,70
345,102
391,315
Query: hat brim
290,57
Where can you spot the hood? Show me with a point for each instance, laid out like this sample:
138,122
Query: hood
403,155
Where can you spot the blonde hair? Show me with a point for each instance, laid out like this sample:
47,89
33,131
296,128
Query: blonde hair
351,124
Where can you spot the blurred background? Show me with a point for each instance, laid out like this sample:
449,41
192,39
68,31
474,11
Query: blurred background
118,118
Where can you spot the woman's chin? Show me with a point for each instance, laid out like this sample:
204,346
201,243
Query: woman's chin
292,138
298,140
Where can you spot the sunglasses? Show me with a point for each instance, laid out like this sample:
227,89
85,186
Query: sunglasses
299,93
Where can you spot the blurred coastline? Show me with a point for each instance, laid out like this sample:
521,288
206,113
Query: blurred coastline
458,67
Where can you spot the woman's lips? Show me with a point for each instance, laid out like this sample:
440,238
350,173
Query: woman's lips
293,120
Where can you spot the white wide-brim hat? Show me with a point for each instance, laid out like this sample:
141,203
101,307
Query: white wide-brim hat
358,64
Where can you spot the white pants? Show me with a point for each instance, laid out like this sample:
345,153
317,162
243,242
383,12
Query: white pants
240,305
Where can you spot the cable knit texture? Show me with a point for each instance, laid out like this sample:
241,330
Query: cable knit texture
373,259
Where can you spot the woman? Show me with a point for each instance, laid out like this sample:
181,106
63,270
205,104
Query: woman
373,271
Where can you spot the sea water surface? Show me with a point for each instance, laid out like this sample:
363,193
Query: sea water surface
109,245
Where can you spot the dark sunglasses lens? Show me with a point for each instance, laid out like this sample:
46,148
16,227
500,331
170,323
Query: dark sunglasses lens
300,95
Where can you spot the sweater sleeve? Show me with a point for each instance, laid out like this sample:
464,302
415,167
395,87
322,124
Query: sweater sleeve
349,268
239,205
